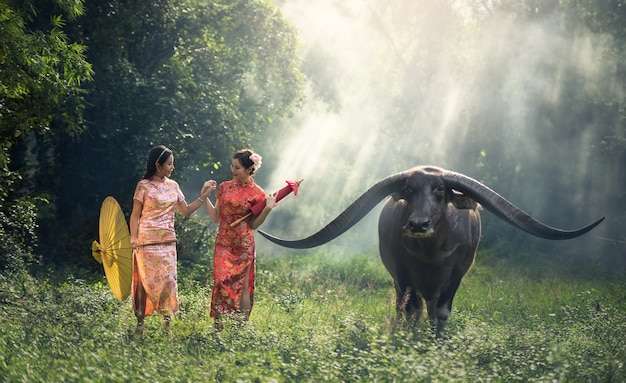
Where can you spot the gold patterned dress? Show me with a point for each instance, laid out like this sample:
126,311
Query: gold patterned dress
155,287
235,252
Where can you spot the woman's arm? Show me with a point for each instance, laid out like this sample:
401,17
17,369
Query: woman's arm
135,215
187,210
213,210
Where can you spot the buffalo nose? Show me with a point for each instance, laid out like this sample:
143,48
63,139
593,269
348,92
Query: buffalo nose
421,225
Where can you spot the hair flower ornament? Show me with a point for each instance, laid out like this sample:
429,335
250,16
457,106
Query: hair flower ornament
257,159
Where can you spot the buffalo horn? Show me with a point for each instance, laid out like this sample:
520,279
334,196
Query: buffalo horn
508,212
349,217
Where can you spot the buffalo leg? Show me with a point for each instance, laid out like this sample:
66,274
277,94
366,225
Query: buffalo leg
409,303
433,312
444,303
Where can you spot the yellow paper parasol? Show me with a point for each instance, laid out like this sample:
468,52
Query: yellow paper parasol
114,250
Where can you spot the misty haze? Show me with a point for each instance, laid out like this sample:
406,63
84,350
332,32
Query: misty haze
508,102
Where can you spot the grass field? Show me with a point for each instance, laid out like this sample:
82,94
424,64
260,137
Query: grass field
326,317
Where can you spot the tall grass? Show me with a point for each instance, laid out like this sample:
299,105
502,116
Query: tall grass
326,317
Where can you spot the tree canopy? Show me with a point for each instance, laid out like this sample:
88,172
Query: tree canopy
87,88
42,78
203,78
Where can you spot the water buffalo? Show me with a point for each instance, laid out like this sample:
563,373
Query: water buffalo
429,230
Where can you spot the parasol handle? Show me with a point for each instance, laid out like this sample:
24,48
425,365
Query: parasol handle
96,251
237,222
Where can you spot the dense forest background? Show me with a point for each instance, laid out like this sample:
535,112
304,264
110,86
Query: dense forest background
526,96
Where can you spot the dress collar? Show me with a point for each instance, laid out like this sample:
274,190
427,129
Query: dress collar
248,182
158,179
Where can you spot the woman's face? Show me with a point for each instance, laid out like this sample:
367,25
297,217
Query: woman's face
166,169
240,173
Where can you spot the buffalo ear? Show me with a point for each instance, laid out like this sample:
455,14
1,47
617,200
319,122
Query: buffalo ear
396,196
461,201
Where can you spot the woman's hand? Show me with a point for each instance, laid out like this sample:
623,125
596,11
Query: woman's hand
209,186
270,201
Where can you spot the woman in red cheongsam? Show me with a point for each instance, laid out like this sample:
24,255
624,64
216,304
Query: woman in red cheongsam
234,258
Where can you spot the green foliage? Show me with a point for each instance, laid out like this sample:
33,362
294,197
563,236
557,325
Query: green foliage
41,74
203,78
17,235
41,79
316,320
